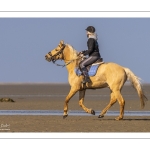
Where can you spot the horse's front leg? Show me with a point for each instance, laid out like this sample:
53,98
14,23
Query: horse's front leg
72,92
81,101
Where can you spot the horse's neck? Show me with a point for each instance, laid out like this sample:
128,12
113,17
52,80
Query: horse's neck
70,55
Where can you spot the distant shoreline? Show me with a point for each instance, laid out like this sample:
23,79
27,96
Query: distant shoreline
28,83
53,83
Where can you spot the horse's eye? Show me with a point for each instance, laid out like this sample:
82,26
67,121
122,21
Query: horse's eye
56,49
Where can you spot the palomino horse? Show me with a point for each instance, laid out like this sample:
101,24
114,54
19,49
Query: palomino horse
109,75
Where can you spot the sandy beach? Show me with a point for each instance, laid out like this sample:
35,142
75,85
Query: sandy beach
40,96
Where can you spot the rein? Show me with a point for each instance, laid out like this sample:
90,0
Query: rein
64,64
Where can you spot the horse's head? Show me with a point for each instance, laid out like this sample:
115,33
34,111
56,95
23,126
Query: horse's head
56,53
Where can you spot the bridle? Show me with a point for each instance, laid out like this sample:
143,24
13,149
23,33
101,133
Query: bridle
53,57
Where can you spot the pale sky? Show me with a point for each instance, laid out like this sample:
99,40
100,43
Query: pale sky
25,41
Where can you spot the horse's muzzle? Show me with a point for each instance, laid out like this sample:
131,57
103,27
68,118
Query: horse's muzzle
48,57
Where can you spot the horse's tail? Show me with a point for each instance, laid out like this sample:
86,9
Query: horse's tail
135,81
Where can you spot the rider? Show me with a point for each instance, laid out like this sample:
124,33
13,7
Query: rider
92,52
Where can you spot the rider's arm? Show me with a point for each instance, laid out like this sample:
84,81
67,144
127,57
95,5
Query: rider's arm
90,45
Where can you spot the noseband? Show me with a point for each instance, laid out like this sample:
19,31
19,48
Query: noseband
53,57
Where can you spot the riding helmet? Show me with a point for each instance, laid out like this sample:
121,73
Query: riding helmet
90,29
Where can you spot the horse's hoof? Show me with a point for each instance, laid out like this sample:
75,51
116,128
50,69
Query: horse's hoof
65,116
100,116
118,118
92,112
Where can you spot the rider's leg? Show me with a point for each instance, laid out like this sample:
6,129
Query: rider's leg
83,68
86,75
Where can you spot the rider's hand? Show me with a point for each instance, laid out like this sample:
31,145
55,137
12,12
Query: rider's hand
80,53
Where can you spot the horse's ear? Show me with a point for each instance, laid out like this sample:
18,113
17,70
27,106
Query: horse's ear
61,42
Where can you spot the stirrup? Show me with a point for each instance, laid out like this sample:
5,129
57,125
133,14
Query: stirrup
88,80
85,80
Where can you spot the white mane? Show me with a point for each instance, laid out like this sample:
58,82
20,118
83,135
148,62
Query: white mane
74,52
74,55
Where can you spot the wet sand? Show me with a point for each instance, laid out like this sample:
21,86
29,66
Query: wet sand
51,97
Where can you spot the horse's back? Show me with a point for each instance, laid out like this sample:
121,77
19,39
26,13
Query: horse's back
112,72
111,66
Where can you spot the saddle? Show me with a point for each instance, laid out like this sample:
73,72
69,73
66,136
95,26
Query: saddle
98,62
92,69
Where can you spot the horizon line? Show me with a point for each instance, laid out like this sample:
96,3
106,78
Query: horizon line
2,83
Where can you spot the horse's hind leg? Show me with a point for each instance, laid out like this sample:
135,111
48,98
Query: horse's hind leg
112,101
81,101
121,103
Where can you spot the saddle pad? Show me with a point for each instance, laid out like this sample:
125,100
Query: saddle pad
92,71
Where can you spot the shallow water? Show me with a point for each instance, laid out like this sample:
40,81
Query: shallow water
61,95
72,113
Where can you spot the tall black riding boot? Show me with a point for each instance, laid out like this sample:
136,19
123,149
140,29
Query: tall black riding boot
86,76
